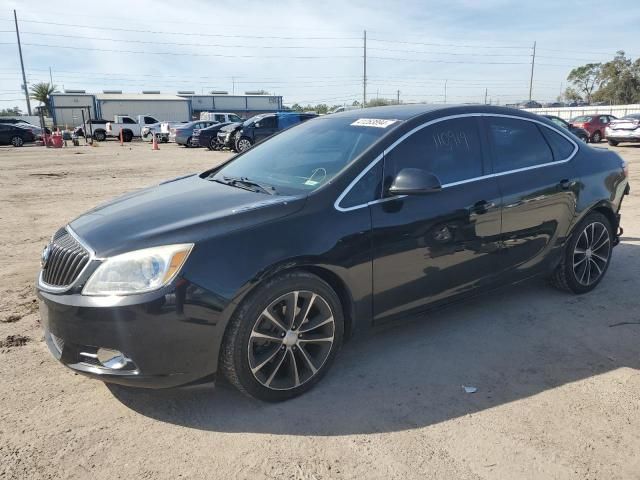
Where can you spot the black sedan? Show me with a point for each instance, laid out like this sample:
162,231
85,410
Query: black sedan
259,269
208,137
16,135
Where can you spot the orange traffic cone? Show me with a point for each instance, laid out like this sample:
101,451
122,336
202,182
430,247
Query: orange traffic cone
121,139
155,143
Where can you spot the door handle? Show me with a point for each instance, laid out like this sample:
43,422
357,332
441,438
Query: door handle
566,184
482,207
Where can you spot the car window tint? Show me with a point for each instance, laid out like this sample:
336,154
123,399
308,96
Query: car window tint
365,190
267,122
604,119
234,118
219,118
128,120
285,121
558,122
517,144
560,146
450,150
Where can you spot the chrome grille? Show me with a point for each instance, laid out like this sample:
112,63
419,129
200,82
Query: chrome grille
67,258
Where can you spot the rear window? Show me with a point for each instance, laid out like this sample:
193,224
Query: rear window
582,119
560,146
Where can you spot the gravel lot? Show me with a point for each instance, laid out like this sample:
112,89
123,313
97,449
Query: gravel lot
557,375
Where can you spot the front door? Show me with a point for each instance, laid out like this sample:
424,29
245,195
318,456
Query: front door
430,247
538,186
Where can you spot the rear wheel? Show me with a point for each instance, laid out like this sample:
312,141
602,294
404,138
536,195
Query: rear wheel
213,144
596,137
17,141
283,338
100,136
586,257
127,136
613,143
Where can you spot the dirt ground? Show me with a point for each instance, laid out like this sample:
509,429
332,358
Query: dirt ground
557,376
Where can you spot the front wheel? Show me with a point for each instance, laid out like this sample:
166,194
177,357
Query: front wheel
100,136
587,255
613,143
244,144
283,338
17,141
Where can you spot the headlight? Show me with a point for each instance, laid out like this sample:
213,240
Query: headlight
138,271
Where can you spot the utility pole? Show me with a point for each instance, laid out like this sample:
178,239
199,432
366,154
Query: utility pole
50,77
486,90
533,64
445,91
364,71
233,81
24,76
398,98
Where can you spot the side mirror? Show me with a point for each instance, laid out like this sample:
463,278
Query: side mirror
414,181
257,125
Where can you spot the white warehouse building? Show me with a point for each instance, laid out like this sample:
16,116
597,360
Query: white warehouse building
67,109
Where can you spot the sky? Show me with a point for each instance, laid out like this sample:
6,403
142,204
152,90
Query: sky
312,52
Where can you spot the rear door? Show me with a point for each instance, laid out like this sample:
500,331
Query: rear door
537,181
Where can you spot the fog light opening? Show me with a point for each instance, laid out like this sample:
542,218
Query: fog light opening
112,359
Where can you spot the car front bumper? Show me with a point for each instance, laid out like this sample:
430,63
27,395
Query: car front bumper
169,338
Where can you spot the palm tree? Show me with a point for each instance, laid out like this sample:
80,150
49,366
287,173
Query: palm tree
42,92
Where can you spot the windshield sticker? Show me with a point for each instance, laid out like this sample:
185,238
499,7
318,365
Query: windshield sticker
373,122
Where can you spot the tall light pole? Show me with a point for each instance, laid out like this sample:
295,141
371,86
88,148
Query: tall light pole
445,91
24,76
364,70
533,64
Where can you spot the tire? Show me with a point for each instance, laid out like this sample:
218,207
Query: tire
283,365
596,137
213,144
243,144
188,144
127,136
17,141
587,253
584,138
100,136
613,143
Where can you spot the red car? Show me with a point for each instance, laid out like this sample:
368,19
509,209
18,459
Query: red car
594,125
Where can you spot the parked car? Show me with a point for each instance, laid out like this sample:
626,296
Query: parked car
595,125
581,133
184,133
530,104
220,117
12,134
98,126
266,125
227,136
625,129
260,268
129,126
208,137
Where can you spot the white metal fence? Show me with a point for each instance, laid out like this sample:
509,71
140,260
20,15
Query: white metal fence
568,113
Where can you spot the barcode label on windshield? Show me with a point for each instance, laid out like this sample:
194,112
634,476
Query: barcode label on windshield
373,122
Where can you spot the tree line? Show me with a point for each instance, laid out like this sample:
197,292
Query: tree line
615,82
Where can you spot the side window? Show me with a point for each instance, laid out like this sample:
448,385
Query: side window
517,144
604,119
558,122
451,150
285,121
149,120
219,118
267,122
234,118
560,146
128,120
366,189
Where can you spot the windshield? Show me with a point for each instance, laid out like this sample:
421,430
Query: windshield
306,156
582,119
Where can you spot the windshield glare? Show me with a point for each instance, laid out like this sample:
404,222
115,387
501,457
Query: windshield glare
306,156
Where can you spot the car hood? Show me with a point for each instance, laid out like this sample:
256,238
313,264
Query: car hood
183,210
231,127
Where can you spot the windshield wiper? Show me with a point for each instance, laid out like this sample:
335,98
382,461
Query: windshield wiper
245,183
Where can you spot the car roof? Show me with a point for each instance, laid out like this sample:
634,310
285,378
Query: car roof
414,111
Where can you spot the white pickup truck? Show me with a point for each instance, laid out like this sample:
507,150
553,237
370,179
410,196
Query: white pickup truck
129,126
220,117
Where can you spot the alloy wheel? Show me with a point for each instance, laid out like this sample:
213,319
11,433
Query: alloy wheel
591,253
596,137
17,141
291,340
244,144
